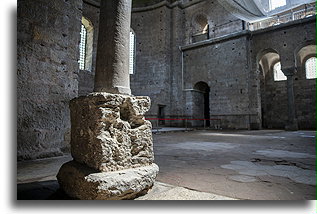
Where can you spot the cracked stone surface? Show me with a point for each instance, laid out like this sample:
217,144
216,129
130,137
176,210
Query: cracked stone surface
242,178
292,172
283,154
200,170
162,191
112,148
109,131
207,146
80,181
193,160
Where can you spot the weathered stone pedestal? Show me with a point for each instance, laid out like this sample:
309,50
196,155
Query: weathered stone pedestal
111,143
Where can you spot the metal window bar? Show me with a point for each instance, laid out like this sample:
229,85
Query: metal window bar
131,52
310,67
309,10
82,47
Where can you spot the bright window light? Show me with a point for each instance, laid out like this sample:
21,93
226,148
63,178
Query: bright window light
310,67
277,3
132,52
278,74
82,47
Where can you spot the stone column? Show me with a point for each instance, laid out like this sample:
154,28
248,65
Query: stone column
111,142
112,66
292,124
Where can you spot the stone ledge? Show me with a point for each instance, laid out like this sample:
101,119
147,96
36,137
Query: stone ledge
82,182
163,191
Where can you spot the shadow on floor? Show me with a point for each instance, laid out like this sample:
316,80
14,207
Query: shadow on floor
41,190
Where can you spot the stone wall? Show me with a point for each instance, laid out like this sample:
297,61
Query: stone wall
168,65
227,62
47,54
220,21
286,40
152,73
222,65
162,28
160,31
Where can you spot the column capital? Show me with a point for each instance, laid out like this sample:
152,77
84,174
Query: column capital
289,71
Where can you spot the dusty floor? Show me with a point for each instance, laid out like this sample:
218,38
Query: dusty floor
256,165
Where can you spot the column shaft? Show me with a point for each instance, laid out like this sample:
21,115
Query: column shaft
290,98
292,121
112,66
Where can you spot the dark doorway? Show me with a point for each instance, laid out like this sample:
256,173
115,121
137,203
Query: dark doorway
203,90
161,114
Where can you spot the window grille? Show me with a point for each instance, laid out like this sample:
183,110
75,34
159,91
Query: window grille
310,67
82,47
131,53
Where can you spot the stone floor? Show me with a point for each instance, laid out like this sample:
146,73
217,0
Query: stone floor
169,129
163,191
208,165
256,165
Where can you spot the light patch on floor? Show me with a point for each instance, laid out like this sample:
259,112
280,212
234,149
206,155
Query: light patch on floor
206,146
277,137
308,136
283,154
270,136
294,173
242,178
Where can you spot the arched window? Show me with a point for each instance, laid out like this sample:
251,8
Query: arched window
86,45
310,68
200,28
278,74
200,24
132,52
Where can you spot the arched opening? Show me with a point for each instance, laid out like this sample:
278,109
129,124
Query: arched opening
269,62
200,28
273,90
305,85
278,73
201,104
306,62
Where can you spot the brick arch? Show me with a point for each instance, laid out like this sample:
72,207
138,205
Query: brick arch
303,52
199,24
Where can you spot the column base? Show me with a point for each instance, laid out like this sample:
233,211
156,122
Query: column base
112,148
109,131
292,126
85,183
